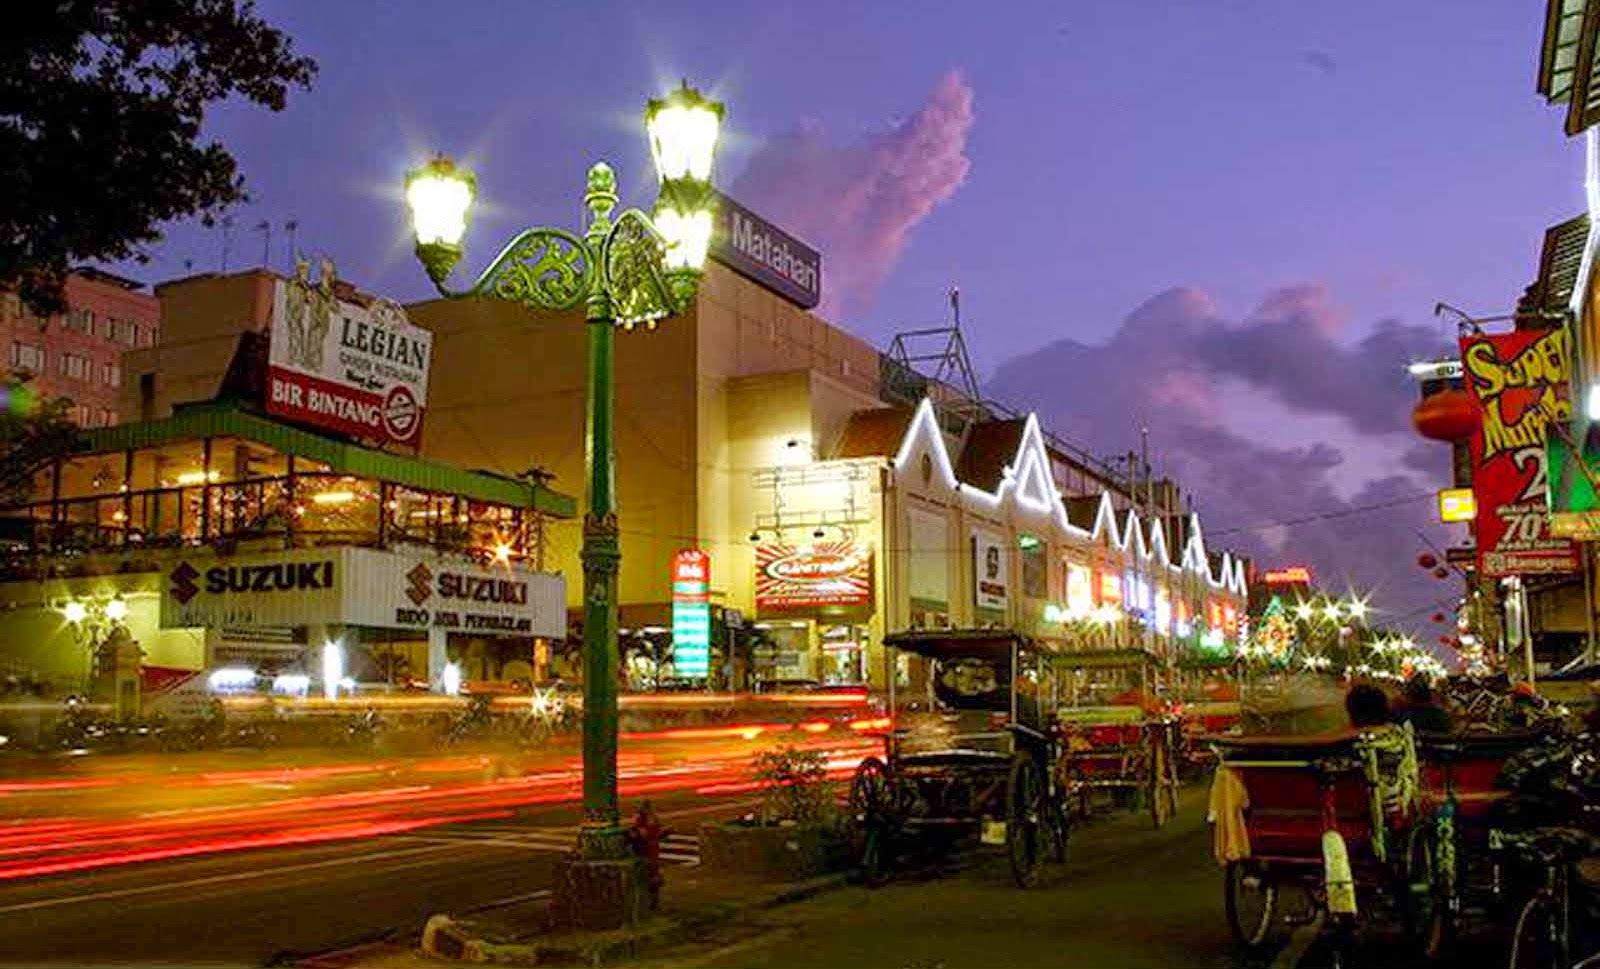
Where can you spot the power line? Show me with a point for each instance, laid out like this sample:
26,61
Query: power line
1326,516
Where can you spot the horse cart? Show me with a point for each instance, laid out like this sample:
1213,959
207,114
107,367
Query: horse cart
970,752
1118,733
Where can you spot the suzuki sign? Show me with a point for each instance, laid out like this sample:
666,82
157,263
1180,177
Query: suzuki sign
363,587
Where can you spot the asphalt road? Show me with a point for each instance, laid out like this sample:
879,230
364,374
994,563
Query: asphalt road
249,907
1128,896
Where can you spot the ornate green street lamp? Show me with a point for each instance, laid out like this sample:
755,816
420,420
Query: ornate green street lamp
626,270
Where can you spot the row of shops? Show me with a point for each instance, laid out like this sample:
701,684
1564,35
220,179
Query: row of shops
326,488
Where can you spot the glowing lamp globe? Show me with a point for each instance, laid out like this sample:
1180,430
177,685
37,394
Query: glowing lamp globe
1449,415
440,197
683,129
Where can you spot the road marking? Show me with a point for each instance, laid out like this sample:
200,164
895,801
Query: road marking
212,880
684,849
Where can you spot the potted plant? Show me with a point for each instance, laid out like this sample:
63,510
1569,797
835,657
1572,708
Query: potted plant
795,832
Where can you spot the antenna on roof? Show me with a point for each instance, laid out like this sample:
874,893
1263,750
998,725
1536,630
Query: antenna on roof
955,305
290,227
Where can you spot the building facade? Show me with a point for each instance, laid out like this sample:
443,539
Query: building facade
752,431
78,354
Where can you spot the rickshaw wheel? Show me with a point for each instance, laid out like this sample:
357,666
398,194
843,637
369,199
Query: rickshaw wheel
1025,810
1250,897
871,824
1423,905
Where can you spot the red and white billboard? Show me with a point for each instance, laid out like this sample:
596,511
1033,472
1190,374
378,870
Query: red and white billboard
1519,380
358,370
792,578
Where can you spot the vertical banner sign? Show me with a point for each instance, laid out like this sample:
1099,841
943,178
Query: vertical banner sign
1519,380
356,369
691,613
989,570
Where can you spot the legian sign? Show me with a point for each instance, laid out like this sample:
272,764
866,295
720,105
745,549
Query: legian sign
756,249
691,613
358,370
1519,380
826,574
363,587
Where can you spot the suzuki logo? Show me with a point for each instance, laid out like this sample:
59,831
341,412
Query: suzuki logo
421,579
183,584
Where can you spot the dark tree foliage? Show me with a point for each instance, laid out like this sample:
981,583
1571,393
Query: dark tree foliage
101,107
34,430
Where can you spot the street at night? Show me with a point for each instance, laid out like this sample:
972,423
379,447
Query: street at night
928,486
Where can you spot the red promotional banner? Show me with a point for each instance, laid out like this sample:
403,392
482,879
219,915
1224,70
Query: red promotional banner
797,578
1519,380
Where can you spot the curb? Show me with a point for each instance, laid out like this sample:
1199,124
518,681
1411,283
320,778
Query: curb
447,938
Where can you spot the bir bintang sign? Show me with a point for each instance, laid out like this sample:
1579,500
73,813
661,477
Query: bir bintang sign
358,370
758,250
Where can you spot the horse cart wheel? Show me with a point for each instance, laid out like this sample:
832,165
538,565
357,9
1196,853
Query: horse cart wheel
872,820
1027,813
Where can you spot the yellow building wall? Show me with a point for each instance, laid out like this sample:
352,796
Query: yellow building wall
41,641
507,392
201,319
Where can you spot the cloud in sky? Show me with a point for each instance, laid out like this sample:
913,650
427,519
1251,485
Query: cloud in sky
1272,418
857,201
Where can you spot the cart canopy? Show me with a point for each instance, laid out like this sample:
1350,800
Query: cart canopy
993,645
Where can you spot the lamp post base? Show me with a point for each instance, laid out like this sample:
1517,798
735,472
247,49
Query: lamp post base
598,895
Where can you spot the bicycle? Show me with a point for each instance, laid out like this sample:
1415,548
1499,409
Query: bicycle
1542,937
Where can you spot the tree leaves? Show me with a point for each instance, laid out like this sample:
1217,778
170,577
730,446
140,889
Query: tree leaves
34,430
101,107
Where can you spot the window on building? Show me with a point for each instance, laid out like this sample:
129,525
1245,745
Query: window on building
111,375
1035,571
107,417
108,327
27,357
82,320
81,414
147,335
75,366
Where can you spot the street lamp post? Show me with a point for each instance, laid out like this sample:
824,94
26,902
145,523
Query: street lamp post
628,270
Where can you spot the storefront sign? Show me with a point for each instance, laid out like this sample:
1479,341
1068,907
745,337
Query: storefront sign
1109,589
1080,590
758,250
691,613
1457,505
1292,575
827,574
989,571
1520,382
358,370
363,587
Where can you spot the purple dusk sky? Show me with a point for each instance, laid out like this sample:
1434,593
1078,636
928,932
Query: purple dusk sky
1062,162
